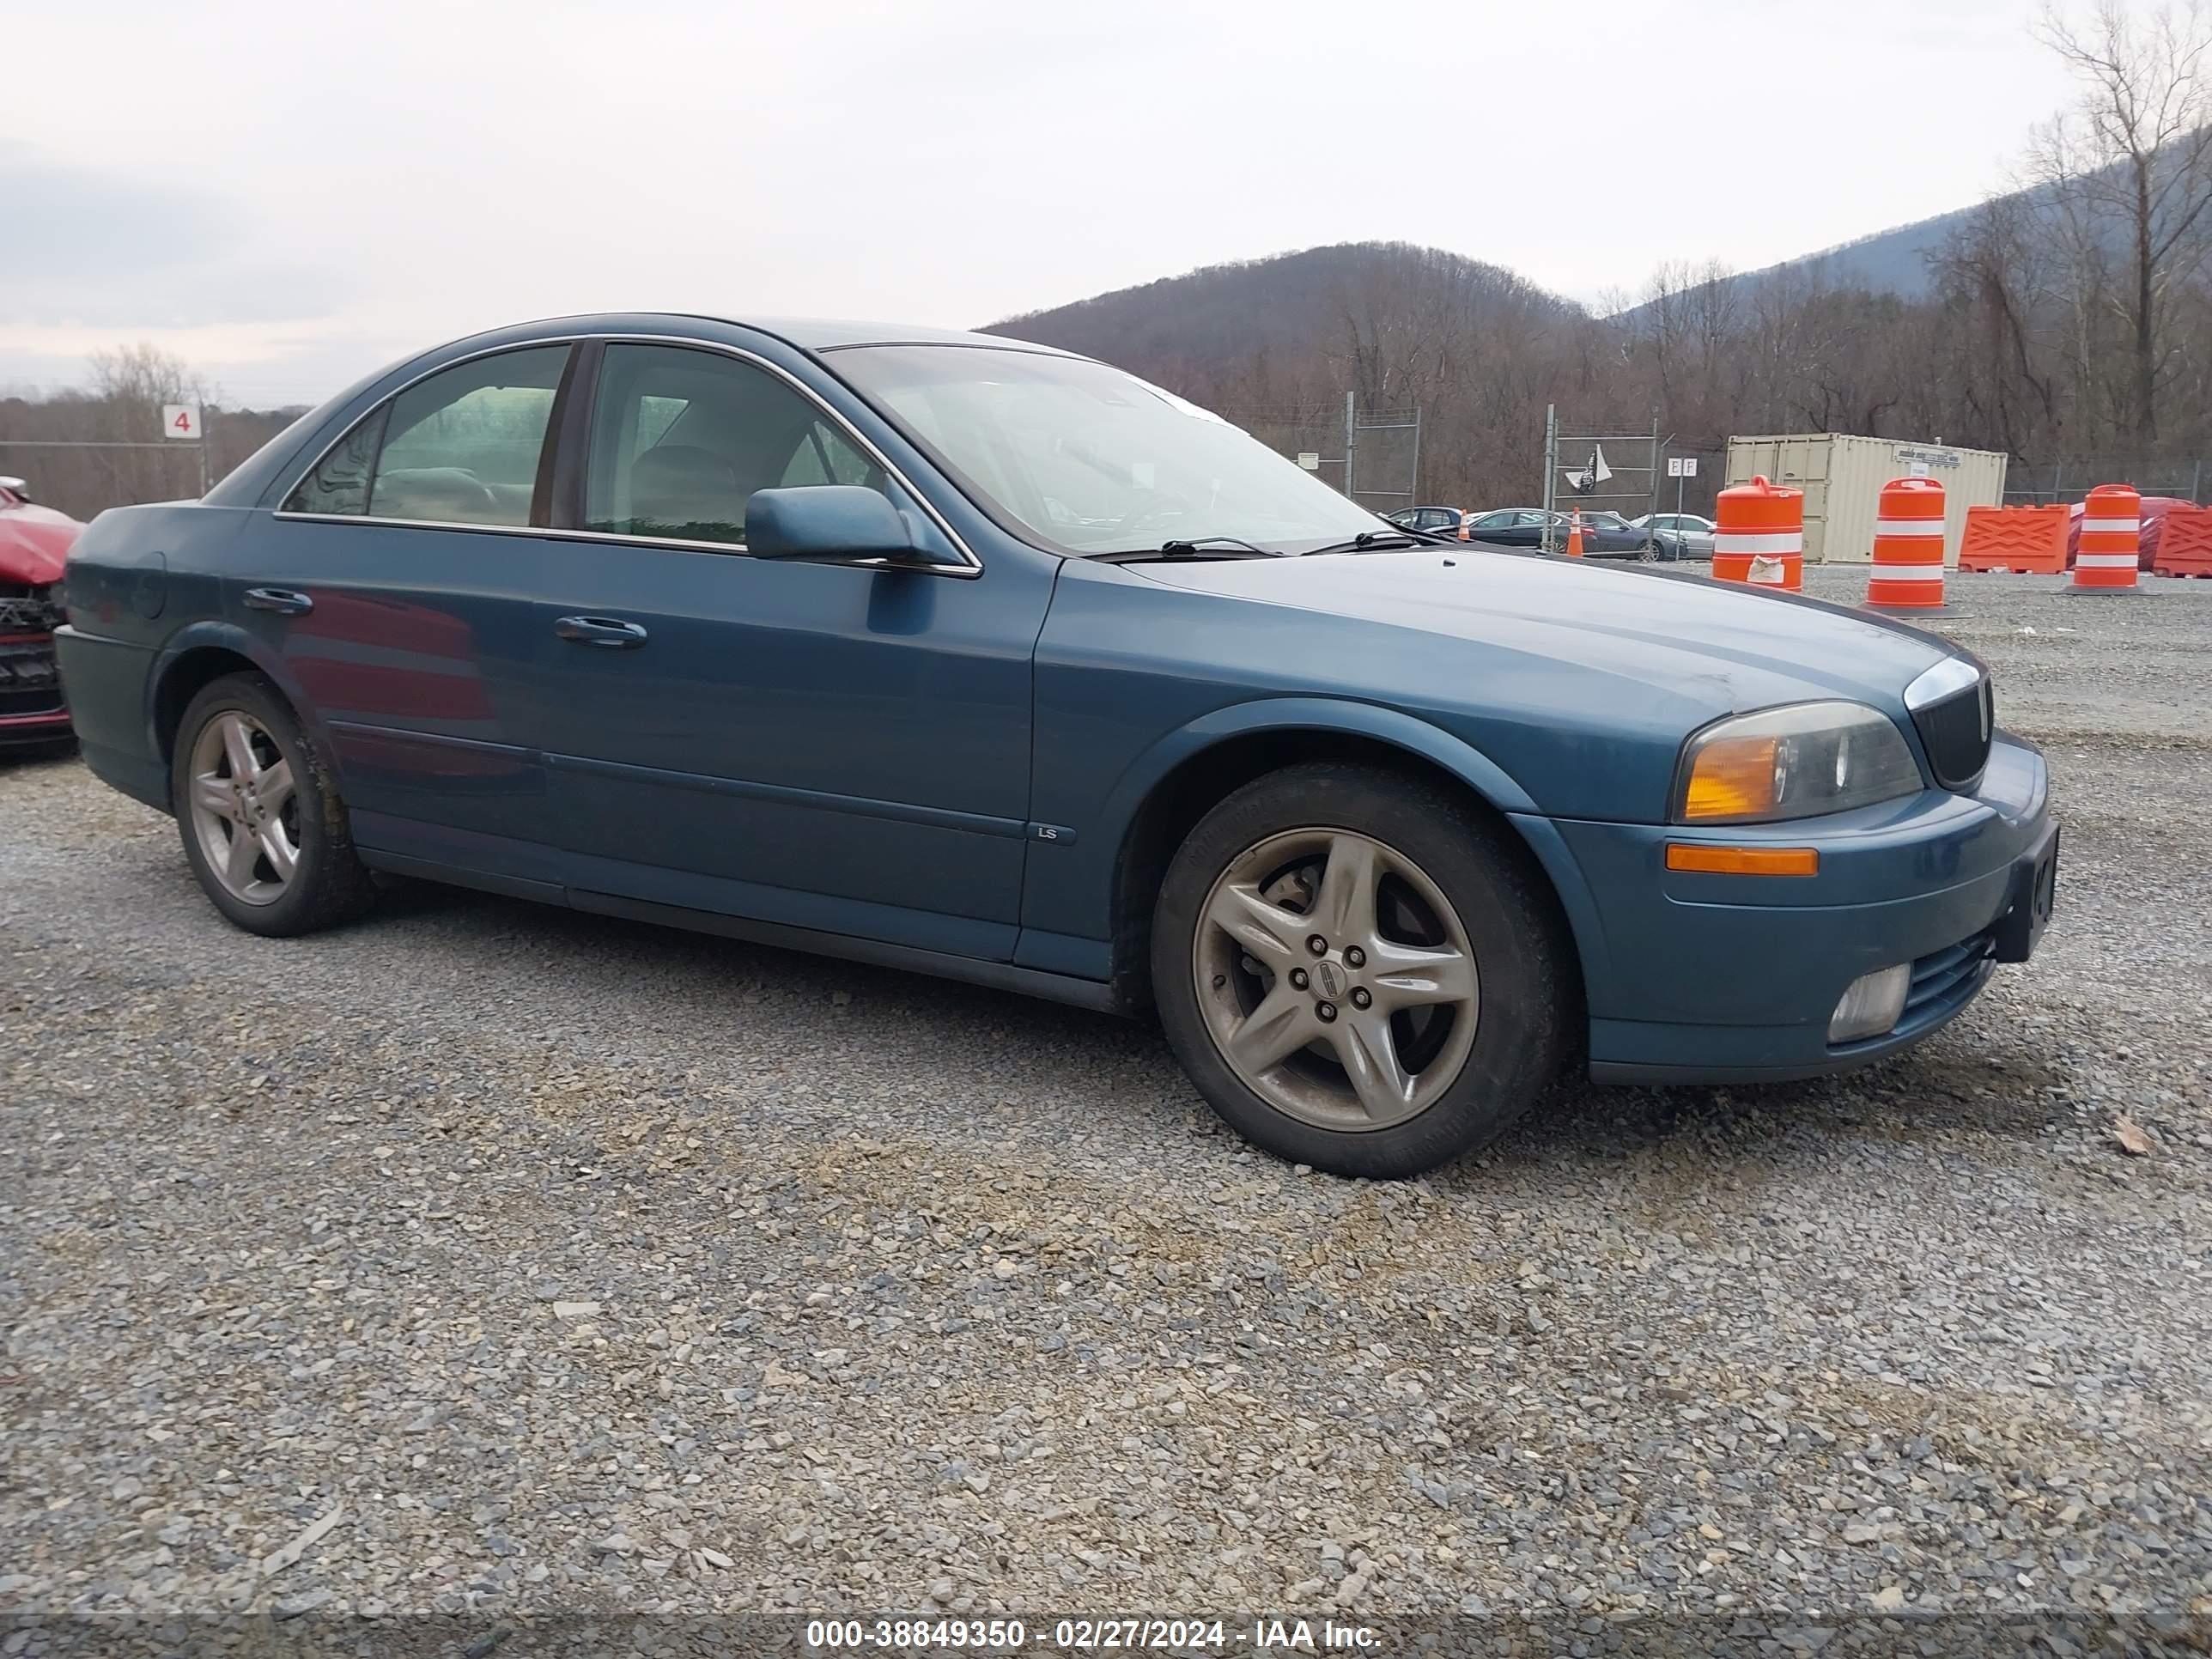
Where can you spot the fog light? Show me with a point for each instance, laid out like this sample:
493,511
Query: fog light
1872,1004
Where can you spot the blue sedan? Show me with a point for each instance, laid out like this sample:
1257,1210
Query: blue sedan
974,658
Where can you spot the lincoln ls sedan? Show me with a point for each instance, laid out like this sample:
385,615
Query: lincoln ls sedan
974,657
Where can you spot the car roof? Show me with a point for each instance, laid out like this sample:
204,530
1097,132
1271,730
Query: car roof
828,333
805,334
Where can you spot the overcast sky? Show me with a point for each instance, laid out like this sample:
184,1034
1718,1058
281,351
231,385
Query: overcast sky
289,195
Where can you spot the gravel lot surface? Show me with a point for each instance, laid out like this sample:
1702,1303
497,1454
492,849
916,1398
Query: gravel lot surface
570,1263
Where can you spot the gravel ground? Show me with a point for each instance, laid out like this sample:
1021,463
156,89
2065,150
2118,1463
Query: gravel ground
570,1264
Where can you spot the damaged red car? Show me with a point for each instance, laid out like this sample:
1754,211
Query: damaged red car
35,541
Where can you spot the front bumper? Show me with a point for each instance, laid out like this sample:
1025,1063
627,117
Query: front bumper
1703,978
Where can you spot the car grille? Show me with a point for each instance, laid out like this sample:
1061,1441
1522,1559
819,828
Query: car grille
29,681
1955,732
1943,980
27,610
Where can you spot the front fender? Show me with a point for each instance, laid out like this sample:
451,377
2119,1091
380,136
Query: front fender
1070,893
1343,715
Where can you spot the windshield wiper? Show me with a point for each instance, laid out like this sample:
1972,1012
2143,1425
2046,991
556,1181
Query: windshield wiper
1198,547
1373,538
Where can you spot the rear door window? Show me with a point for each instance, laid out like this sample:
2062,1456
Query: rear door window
339,482
463,445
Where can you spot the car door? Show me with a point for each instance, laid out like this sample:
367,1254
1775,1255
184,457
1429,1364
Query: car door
826,746
1617,535
1501,530
398,589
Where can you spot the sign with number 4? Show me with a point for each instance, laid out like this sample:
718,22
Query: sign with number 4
180,421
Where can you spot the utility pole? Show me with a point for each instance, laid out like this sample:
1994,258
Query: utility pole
1351,425
1550,467
1654,508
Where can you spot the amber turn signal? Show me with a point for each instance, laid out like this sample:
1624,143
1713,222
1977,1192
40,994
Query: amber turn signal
1743,860
1732,778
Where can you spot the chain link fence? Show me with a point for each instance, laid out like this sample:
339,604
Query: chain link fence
2038,484
1373,455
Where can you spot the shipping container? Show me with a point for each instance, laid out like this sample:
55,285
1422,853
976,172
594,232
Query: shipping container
1842,477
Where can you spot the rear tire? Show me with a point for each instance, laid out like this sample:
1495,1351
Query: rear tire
258,806
1441,1056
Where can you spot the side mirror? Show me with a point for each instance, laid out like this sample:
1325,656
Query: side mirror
825,522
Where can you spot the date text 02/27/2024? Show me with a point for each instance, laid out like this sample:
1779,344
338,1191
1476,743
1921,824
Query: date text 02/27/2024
1091,1635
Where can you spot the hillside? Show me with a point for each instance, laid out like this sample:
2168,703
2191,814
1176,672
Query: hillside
1893,261
2020,341
1897,260
1209,319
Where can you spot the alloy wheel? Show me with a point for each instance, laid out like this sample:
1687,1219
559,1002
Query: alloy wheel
1335,979
244,808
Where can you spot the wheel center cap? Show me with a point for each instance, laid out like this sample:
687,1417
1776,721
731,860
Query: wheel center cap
1329,979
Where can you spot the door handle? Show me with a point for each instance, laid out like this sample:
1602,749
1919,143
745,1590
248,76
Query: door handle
609,633
283,600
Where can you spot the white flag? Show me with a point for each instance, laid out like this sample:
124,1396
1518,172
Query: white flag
1590,477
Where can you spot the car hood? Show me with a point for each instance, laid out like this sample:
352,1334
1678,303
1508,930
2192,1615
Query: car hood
1704,646
35,541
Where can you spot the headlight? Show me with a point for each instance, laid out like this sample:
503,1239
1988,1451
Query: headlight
1793,763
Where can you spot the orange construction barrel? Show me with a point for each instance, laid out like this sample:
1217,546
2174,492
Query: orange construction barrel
2112,540
1908,547
1760,535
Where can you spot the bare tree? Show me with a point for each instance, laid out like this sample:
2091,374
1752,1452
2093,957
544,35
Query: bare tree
2135,154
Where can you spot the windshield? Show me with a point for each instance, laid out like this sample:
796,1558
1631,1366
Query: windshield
1088,459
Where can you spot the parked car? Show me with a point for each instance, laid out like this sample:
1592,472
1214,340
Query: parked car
1680,535
1605,535
33,542
961,655
1435,520
2154,509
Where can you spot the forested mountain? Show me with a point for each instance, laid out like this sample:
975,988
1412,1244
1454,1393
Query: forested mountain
2070,322
1275,344
1898,260
1221,316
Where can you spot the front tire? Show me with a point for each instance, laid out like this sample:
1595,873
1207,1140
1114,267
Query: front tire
1361,969
258,806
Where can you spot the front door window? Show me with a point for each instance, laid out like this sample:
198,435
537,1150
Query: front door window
682,438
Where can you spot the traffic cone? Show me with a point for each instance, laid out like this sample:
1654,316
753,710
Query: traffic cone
1761,538
1465,520
2111,532
1575,534
1907,573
